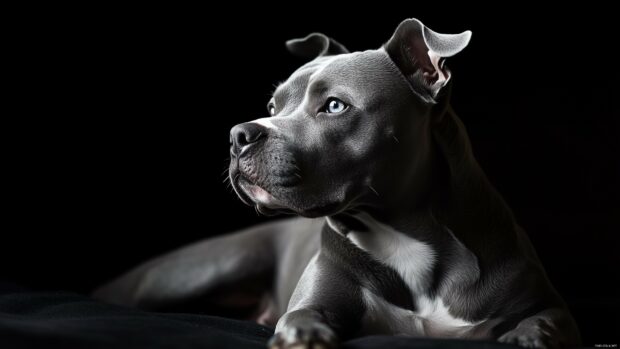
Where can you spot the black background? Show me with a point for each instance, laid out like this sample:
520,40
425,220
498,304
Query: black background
117,127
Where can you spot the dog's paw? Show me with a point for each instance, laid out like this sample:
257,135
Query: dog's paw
312,336
535,334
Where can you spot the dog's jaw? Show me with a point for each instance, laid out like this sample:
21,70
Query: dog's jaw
260,196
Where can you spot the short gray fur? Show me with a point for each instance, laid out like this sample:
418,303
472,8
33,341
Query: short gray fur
394,174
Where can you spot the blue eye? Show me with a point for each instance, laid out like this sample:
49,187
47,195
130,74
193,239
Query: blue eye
334,105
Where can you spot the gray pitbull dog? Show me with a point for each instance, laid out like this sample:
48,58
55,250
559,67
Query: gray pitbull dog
403,232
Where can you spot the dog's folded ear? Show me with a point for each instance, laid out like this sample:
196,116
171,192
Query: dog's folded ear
420,54
315,45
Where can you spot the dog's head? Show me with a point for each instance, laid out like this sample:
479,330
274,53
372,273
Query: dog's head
346,129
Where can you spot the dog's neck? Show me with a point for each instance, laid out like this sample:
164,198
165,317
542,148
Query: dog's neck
456,194
473,210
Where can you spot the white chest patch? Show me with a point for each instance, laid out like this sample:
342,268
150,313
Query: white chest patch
411,258
432,318
414,261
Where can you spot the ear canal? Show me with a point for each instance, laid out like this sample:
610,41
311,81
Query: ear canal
315,45
419,53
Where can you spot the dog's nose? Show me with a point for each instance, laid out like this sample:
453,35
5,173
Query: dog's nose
244,135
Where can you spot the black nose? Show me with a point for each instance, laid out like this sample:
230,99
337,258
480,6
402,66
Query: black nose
244,135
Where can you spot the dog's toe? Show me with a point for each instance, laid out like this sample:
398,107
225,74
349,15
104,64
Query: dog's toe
315,336
538,334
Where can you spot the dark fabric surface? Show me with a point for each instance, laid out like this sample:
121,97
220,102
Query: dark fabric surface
30,319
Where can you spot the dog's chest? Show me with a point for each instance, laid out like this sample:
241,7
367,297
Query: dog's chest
414,261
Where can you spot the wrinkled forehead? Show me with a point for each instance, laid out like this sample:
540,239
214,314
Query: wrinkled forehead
354,73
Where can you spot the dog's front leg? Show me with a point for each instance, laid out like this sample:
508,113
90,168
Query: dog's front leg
325,306
551,328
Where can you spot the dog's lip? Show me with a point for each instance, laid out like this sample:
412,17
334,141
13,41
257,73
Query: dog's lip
234,181
259,195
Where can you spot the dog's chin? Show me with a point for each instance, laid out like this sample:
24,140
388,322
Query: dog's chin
267,204
263,201
321,211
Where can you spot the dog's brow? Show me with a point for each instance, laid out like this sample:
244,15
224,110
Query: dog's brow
318,87
279,96
277,87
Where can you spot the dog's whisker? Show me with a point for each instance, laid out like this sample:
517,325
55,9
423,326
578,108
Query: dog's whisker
396,139
373,189
297,175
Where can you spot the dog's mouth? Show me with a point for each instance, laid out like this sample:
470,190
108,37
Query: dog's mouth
253,195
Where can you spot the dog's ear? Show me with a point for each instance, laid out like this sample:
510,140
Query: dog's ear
315,45
420,54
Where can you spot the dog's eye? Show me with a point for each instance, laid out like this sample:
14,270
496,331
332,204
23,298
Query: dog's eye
272,109
334,105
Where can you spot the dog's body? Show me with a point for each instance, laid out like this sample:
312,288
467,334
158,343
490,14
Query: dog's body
414,241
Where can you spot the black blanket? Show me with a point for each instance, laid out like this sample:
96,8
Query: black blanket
30,319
